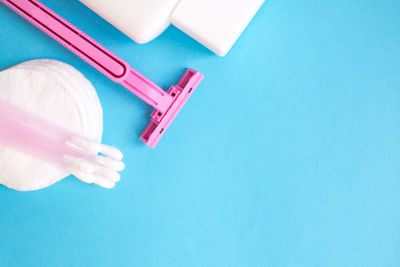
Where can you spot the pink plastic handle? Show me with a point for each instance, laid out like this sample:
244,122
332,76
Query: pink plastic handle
31,134
91,51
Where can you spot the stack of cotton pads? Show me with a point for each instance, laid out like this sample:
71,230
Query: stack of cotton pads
54,91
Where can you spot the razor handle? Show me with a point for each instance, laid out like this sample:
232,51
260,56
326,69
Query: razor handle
93,53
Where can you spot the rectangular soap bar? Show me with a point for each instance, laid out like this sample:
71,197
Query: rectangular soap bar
141,20
217,24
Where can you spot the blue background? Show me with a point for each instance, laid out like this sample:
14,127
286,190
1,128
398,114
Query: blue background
288,154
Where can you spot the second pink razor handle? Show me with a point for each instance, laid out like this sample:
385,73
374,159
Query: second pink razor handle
167,104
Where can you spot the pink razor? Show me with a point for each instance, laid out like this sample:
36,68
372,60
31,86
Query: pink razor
167,104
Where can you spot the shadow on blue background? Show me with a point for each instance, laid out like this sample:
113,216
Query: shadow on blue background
287,154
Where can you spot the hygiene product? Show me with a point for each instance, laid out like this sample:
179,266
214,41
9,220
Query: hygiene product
217,24
58,93
88,160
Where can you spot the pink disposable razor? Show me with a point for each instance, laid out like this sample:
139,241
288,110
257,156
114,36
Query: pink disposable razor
167,104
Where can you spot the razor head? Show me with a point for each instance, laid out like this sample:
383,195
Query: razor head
180,94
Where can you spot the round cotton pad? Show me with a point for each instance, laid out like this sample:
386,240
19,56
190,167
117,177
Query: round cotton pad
77,80
59,93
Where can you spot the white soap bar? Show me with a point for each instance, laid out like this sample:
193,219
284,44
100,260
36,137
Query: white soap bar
142,20
217,24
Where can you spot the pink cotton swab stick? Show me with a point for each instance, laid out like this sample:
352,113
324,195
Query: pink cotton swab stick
63,151
88,160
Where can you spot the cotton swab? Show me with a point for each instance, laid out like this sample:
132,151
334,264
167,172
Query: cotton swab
88,160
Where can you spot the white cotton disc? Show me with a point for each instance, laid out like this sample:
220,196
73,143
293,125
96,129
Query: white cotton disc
56,92
78,80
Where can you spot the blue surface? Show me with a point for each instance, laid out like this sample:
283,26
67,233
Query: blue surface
287,155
